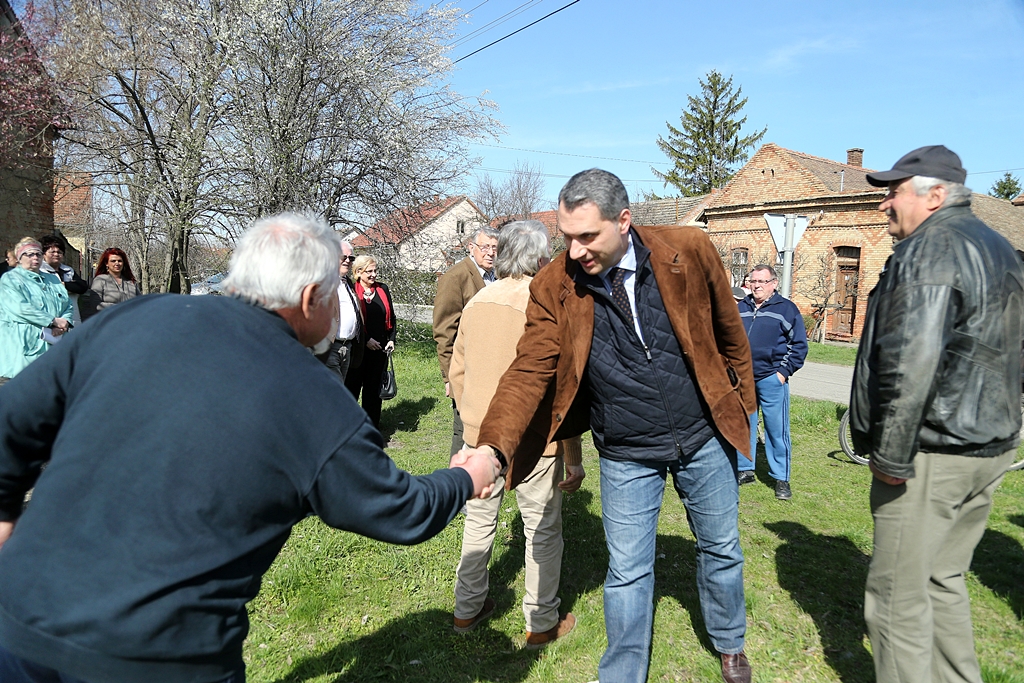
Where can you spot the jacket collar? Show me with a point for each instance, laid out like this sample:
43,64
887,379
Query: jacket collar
957,209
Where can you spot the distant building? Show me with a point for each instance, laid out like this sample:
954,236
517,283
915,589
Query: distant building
846,244
427,238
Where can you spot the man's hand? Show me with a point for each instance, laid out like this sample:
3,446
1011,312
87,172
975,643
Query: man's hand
782,378
447,389
6,529
373,344
481,465
574,476
883,477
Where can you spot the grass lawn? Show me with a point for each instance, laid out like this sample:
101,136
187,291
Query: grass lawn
831,354
336,607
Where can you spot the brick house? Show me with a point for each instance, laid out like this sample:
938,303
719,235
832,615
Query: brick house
426,238
26,190
846,243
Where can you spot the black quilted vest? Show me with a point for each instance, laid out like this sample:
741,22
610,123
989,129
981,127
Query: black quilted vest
644,402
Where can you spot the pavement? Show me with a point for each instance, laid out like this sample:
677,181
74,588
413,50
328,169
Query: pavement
823,382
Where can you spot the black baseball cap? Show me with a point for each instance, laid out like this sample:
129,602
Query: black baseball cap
934,161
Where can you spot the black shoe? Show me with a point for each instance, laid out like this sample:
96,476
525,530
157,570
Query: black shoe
782,490
746,477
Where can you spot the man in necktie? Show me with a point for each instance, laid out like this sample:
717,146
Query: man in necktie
454,290
633,333
346,351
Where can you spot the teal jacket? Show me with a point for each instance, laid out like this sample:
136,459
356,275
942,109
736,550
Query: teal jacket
28,303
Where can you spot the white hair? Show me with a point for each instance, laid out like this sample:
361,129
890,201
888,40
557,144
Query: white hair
278,256
955,192
521,245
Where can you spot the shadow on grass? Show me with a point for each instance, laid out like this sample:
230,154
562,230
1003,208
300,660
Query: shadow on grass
676,578
825,575
999,565
419,647
406,411
484,654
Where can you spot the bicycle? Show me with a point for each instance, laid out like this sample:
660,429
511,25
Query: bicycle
846,443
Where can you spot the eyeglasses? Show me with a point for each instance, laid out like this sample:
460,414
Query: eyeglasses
33,254
488,249
760,282
348,259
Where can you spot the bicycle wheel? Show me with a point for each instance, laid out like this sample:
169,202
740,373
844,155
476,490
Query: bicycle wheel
846,441
1019,463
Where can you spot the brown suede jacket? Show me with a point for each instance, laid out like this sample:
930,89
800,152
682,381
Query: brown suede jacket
454,290
538,398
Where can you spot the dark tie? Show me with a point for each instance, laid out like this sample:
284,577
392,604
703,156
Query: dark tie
617,276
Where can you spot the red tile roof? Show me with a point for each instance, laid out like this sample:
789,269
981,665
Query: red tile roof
406,222
548,218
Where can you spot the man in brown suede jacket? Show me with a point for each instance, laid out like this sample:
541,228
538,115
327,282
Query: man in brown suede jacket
634,334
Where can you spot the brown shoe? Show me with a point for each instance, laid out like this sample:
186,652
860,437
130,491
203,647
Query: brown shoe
463,625
564,626
735,668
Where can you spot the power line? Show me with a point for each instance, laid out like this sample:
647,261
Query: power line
491,25
567,154
555,175
515,32
1005,170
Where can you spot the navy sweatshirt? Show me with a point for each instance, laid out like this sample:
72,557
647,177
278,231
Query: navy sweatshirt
186,436
778,338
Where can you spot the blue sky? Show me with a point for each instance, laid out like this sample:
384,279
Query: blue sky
601,78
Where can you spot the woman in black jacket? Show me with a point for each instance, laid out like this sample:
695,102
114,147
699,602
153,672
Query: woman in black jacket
379,316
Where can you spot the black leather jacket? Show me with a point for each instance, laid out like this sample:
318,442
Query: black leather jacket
938,368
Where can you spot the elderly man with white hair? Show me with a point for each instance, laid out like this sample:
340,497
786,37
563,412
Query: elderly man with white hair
185,436
936,402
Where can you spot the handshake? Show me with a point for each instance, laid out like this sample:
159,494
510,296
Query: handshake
482,465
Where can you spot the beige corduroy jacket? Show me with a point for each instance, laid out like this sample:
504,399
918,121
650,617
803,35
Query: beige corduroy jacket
492,323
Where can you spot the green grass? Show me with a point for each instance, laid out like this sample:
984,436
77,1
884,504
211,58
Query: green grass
339,608
831,354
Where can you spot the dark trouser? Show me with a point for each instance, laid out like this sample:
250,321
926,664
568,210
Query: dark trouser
456,430
337,358
915,602
14,669
367,379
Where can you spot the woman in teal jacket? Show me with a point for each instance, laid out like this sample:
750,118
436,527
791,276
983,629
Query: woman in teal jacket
30,302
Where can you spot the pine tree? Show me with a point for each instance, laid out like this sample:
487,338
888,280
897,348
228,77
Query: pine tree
707,148
1006,187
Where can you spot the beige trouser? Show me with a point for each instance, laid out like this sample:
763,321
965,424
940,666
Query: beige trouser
915,602
540,503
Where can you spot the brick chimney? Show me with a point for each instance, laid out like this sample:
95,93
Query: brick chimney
855,157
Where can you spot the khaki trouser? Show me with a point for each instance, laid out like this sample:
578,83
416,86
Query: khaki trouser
540,503
915,603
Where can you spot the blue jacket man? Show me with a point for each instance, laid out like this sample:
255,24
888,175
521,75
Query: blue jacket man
778,347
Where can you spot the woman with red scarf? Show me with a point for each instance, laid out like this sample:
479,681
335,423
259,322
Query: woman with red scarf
379,316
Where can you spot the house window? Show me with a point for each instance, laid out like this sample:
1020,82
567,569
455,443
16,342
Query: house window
740,266
460,227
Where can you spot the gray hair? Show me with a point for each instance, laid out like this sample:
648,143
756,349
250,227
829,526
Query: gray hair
765,266
955,192
601,188
278,256
486,231
521,245
346,243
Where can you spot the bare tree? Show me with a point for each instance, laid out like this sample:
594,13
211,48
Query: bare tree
197,117
825,292
517,198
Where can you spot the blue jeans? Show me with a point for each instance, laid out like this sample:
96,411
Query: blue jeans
631,494
773,400
14,669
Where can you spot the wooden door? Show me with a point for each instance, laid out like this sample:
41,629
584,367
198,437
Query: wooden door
846,297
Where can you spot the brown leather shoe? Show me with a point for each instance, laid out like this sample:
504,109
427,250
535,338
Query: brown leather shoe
463,625
735,668
564,626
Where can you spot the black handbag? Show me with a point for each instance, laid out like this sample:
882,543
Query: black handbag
388,385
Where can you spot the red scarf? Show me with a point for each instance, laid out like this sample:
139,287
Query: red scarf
379,291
